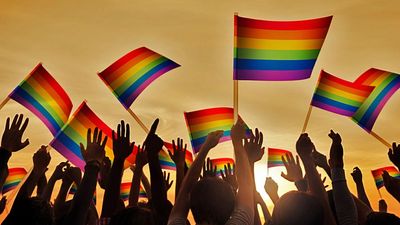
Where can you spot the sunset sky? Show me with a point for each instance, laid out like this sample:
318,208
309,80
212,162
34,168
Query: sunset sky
76,39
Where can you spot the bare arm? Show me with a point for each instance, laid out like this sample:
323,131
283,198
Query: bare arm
141,161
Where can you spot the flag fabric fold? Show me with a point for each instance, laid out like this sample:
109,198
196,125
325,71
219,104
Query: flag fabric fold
15,176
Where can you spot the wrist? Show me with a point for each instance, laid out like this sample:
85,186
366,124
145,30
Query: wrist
4,153
94,163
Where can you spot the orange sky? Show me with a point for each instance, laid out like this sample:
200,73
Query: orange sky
76,39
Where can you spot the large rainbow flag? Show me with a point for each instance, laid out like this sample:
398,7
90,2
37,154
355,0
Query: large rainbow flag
15,176
277,50
125,189
377,174
132,73
75,131
220,163
275,157
339,96
43,96
204,121
386,84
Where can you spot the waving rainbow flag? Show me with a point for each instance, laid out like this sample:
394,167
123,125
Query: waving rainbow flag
377,174
43,96
131,74
220,163
204,121
125,189
277,50
339,96
15,176
386,84
75,131
275,157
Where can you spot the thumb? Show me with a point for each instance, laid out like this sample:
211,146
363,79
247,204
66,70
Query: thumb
25,143
284,176
83,152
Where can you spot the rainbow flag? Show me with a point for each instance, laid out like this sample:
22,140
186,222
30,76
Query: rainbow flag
166,162
275,157
220,163
386,84
74,189
204,121
43,96
339,96
377,174
277,50
75,131
15,176
131,74
125,191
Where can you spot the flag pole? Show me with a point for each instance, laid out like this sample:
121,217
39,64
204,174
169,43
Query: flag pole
235,81
380,195
4,102
307,119
379,138
138,120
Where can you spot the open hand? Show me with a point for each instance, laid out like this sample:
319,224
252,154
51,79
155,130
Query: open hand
357,175
304,146
60,170
168,184
294,172
394,154
253,146
94,152
271,187
238,131
153,143
179,154
209,170
228,175
141,157
41,160
122,147
213,139
12,136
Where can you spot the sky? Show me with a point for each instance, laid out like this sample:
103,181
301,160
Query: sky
76,39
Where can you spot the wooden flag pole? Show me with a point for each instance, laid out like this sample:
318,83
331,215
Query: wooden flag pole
235,100
379,138
307,119
138,120
4,102
380,195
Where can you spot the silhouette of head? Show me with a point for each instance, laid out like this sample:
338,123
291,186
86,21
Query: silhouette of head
30,211
212,201
298,208
133,216
381,218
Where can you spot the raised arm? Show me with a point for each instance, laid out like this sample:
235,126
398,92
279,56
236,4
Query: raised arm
93,155
392,185
321,161
122,148
181,208
346,210
394,155
71,175
294,172
57,175
361,194
141,161
304,148
271,188
178,156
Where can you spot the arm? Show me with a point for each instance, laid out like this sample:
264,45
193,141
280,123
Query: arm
141,161
122,148
382,206
146,186
346,210
394,155
321,161
71,175
255,152
182,204
271,187
304,148
57,175
361,194
260,201
392,185
93,156
178,156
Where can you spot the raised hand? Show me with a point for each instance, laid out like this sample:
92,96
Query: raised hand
153,143
73,174
238,131
141,157
394,154
60,170
320,159
294,172
104,173
168,184
336,153
209,170
12,136
94,152
271,187
357,175
392,185
41,160
253,146
228,175
304,146
178,156
122,147
213,139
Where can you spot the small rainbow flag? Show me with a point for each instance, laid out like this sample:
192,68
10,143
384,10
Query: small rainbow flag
126,188
220,163
43,96
277,50
339,96
74,189
377,174
386,84
131,74
204,121
75,131
15,176
275,157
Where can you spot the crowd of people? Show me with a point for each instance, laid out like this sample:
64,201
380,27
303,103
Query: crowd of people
231,198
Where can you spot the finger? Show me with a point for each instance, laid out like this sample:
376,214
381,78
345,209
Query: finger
82,150
297,160
185,147
119,130
225,169
23,128
122,128
103,145
229,168
209,164
153,128
13,124
181,144
25,143
173,145
128,132
113,136
19,121
257,138
284,176
260,141
285,163
100,136
394,145
8,123
89,136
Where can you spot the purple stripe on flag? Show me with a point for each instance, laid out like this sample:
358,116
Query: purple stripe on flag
66,152
332,109
272,75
